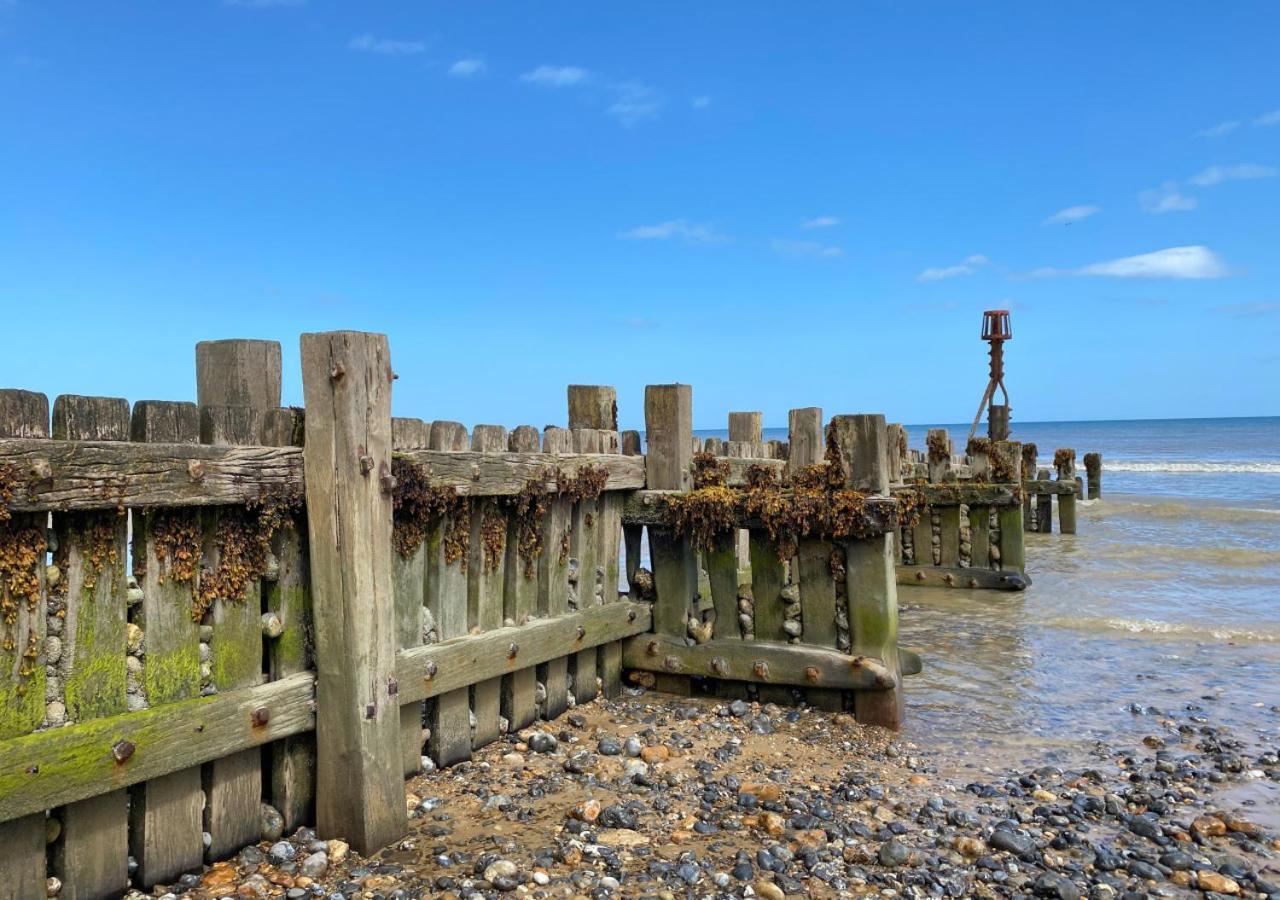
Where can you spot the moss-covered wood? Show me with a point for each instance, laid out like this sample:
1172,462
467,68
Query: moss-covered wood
649,507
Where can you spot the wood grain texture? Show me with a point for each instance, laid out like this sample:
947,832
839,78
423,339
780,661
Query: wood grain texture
485,583
410,580
553,577
498,474
346,380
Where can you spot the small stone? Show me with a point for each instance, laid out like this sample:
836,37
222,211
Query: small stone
315,865
586,811
793,628
632,746
52,576
656,754
970,847
1060,887
52,829
739,708
893,853
133,638
1219,884
272,625
337,851
501,868
270,822
52,649
52,885
1209,826
541,878
609,747
768,890
55,713
542,742
1011,841
281,852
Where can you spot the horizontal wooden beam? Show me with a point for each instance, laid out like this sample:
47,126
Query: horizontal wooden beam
434,669
984,579
1045,486
969,493
50,768
738,468
495,474
63,475
760,662
648,508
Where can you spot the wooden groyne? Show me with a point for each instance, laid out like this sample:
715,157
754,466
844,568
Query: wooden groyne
314,599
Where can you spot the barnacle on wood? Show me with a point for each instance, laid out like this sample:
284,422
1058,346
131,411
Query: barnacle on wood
8,485
493,536
242,538
938,446
1000,459
22,555
418,506
587,484
526,510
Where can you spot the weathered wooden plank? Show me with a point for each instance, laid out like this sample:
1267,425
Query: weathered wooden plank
450,715
236,383
553,577
292,760
770,664
648,508
22,675
722,572
440,669
949,535
953,493
593,406
65,765
585,548
486,579
166,812
922,537
986,579
870,586
767,579
1011,518
1042,486
91,858
632,535
980,537
346,380
520,602
498,474
609,529
410,584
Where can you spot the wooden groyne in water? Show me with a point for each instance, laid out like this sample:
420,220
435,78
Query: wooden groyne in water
315,598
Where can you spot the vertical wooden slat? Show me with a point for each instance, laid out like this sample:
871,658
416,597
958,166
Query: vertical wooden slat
410,580
922,537
632,535
292,760
447,599
871,593
237,383
767,579
23,414
346,378
949,535
668,418
91,857
165,813
553,577
520,602
585,547
1064,462
610,555
485,582
980,537
1044,513
1010,518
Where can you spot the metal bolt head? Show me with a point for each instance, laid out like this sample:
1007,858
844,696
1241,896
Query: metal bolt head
371,710
195,469
393,687
719,666
652,648
761,669
337,372
671,664
432,668
512,649
366,464
122,750
811,674
582,632
260,716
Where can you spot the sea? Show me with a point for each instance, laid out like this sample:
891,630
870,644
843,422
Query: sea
1166,602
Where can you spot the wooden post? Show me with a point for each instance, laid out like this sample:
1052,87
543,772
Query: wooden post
872,592
553,576
520,604
237,382
585,547
938,447
346,378
1064,460
748,428
1093,469
486,577
1044,513
593,406
1012,550
998,423
23,414
632,535
92,855
668,419
447,600
896,446
410,579
166,813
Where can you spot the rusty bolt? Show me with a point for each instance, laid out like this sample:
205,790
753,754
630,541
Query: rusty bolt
371,710
973,582
919,576
631,615
366,463
41,470
512,650
582,632
811,674
122,750
431,669
719,666
195,469
652,648
949,579
671,664
260,716
393,687
33,770
856,662
385,478
761,670
337,372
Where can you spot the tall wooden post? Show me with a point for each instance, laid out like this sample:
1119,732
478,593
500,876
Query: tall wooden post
1013,555
896,448
1064,461
1093,469
871,581
346,379
747,428
668,420
998,422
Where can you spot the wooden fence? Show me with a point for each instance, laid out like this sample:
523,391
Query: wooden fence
310,600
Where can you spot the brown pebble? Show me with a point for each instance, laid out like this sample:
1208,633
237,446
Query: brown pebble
655,754
1209,826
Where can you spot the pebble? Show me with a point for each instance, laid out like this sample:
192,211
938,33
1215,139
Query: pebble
542,742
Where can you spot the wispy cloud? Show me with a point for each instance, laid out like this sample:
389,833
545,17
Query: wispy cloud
700,102
1249,310
467,68
821,222
1222,128
1241,172
1267,119
805,249
1071,214
1183,263
367,43
675,229
968,267
634,103
1166,198
556,76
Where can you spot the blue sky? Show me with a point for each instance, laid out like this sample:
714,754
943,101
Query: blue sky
781,204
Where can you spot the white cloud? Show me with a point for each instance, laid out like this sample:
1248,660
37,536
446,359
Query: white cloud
467,68
367,43
821,222
968,267
634,103
805,249
675,229
1241,172
1194,262
556,76
701,102
1219,130
1271,118
1166,198
1072,214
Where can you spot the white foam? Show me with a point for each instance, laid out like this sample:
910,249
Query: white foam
1192,467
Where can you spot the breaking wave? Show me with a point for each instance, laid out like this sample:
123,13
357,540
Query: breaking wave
1185,630
1173,510
1191,467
